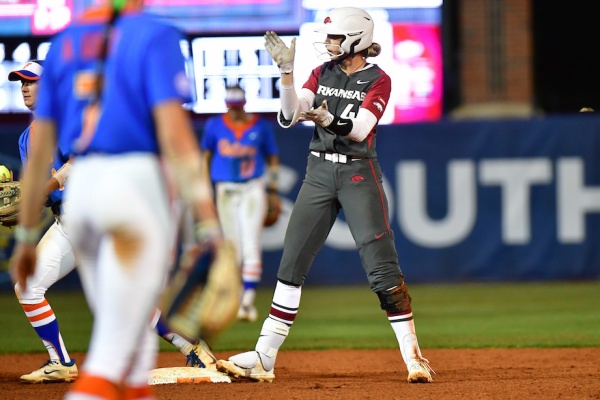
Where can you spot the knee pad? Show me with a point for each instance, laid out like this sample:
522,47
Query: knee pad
396,300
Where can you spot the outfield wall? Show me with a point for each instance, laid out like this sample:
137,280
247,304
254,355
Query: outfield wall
469,201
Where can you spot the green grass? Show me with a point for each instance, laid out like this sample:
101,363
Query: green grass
447,316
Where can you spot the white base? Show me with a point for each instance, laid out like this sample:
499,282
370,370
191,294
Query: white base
162,376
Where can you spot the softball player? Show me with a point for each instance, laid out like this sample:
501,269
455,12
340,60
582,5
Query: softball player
124,72
238,145
55,258
345,97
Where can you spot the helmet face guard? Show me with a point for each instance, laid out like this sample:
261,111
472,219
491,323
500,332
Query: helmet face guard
354,24
323,50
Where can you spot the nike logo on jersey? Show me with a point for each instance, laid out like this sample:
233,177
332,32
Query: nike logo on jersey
361,82
377,237
345,94
340,123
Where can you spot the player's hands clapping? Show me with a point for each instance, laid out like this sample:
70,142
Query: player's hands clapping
281,54
319,115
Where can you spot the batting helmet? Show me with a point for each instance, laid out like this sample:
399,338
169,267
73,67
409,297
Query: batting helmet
355,24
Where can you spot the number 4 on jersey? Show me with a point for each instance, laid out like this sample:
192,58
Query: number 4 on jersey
347,113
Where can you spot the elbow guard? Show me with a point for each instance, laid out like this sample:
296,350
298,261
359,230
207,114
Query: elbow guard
395,300
340,126
287,123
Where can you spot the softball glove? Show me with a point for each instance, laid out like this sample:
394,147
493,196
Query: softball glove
273,209
203,296
10,202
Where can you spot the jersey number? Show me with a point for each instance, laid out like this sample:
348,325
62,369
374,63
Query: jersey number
247,167
347,113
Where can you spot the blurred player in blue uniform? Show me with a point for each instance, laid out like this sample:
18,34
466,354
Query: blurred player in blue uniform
55,258
122,73
240,147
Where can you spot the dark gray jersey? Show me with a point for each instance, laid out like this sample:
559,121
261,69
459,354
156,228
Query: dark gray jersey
367,88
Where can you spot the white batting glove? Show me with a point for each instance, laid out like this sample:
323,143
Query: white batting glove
320,115
281,54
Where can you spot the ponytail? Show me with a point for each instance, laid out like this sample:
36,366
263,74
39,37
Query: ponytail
373,50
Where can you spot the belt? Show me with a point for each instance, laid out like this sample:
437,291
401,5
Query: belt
335,157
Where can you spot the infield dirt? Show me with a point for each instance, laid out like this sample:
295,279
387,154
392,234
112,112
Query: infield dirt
368,374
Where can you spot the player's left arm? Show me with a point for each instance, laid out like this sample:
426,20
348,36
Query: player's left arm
370,112
167,87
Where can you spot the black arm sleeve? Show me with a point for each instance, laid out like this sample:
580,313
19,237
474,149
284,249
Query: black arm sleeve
340,126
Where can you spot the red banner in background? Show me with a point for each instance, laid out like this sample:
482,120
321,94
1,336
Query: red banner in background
416,73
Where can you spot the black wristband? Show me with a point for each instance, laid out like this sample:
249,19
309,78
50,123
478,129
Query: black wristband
340,126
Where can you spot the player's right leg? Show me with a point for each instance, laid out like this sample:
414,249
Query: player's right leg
310,222
55,259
